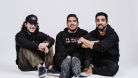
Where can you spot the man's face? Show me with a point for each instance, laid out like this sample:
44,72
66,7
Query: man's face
31,27
101,22
72,24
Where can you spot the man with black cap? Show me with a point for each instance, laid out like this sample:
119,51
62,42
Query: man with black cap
33,48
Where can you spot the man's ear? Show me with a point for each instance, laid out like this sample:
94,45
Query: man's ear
25,24
67,24
107,23
78,23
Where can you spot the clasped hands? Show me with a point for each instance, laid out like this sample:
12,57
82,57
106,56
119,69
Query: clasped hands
43,47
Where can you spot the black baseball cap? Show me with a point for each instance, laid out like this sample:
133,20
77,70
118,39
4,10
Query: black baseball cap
31,19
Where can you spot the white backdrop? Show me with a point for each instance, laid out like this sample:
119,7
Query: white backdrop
52,16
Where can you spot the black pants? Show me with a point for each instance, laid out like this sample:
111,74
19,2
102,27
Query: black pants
58,58
102,66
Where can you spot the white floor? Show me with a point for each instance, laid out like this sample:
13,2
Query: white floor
123,16
10,70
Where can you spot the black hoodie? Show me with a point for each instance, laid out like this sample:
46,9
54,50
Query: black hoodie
108,45
66,43
31,41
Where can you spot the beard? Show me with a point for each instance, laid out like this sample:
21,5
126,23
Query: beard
101,27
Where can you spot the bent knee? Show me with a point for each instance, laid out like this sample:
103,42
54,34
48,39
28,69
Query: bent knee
113,70
24,50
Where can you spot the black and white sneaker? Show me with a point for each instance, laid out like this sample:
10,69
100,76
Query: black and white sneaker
76,66
42,72
53,72
65,68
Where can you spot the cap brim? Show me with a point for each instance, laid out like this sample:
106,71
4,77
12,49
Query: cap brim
33,22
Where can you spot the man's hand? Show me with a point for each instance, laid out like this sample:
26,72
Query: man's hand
84,46
87,43
50,67
43,47
82,39
46,50
68,56
79,41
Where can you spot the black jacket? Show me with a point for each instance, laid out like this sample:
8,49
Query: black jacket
66,43
31,42
108,45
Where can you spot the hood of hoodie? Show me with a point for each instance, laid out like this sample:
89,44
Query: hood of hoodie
71,34
108,30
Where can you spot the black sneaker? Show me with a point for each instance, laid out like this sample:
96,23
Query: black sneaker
65,68
42,71
75,66
53,72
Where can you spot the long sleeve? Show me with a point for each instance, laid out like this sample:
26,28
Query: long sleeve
23,42
44,37
90,36
60,47
109,41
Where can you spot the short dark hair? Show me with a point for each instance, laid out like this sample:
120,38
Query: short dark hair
101,14
72,15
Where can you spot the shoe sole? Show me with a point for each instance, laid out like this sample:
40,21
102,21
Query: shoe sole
57,75
85,75
65,67
76,66
42,76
